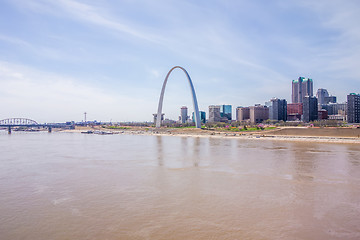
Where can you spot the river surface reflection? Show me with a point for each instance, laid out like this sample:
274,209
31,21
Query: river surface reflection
74,186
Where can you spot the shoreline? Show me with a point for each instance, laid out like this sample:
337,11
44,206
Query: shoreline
272,135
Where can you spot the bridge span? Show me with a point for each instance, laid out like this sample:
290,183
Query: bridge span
24,122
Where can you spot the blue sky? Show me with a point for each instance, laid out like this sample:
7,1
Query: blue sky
109,58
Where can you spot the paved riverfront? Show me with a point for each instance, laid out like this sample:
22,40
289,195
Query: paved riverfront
79,186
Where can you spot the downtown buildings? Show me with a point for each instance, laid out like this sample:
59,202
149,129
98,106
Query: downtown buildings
253,114
328,108
302,94
275,109
304,108
220,113
304,105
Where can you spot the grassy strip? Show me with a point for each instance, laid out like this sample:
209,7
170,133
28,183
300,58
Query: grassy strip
117,127
246,129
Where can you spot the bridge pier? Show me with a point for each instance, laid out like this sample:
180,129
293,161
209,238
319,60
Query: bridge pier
9,130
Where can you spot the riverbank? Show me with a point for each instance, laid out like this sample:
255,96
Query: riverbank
327,135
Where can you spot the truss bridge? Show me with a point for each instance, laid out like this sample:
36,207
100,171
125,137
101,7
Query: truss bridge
23,122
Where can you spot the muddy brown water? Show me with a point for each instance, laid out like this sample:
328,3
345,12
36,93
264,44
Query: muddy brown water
78,186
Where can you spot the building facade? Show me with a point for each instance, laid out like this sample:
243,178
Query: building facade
353,108
183,114
322,114
294,111
335,108
330,99
310,109
321,94
202,117
226,112
214,113
278,109
300,88
242,114
258,113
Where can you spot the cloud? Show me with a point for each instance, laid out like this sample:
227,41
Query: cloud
88,13
155,73
252,49
13,40
46,97
340,58
36,49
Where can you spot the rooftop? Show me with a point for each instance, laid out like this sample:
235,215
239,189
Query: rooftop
302,79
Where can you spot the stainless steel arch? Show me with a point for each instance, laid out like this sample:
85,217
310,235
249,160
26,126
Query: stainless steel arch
196,108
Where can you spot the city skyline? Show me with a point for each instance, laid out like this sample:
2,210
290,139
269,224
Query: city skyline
60,59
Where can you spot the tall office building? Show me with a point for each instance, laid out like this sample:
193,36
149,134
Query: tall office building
300,88
242,114
321,94
184,114
310,109
226,112
214,113
353,108
278,109
202,117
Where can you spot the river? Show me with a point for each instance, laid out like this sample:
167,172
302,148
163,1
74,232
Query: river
79,186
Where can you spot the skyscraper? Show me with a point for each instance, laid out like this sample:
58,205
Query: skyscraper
310,109
353,108
184,114
307,87
214,113
226,112
300,88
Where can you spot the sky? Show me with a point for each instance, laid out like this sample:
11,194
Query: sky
59,59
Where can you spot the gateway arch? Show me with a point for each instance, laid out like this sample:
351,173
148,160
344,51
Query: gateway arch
196,108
